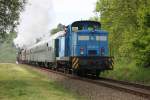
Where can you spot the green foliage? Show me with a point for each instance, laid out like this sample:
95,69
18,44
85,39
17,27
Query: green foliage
55,30
128,22
9,15
7,53
129,72
60,27
38,40
7,49
10,37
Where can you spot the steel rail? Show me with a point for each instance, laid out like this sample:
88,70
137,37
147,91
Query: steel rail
137,85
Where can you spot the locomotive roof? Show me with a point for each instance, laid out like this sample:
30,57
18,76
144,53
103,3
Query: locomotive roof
87,21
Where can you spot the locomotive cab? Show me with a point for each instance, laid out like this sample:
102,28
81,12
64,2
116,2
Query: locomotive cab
89,47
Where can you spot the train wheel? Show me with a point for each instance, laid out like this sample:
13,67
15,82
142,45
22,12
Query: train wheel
82,73
75,72
97,73
58,66
46,64
79,72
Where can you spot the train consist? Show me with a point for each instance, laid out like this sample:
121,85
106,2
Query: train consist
82,48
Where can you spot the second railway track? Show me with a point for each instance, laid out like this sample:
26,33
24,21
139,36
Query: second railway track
132,88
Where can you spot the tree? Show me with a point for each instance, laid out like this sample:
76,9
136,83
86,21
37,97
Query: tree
9,15
60,27
128,24
38,40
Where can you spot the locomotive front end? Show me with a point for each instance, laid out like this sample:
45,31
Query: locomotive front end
90,51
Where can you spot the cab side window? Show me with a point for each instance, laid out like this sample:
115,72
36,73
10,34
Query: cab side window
90,27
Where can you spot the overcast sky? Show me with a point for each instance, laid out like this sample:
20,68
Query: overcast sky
67,11
40,16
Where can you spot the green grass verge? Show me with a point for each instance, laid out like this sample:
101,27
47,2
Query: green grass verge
20,83
7,53
129,72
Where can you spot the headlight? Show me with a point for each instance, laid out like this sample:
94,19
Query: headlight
102,51
81,51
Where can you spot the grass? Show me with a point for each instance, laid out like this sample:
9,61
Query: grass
7,53
20,83
128,71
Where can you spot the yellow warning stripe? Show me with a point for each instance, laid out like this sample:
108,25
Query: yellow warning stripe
76,66
73,59
75,63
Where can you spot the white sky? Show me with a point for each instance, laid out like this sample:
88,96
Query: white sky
40,16
67,11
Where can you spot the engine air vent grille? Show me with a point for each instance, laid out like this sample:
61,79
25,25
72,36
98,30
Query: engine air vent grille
92,52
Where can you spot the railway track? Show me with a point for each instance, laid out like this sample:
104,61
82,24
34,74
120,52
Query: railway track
133,88
137,89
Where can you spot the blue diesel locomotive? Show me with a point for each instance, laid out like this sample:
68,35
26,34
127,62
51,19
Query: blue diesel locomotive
82,49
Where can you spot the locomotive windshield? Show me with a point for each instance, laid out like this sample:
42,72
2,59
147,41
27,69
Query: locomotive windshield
86,25
93,27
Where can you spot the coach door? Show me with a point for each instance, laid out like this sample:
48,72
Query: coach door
56,47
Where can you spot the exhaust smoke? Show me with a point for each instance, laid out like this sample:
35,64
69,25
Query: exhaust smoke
34,22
